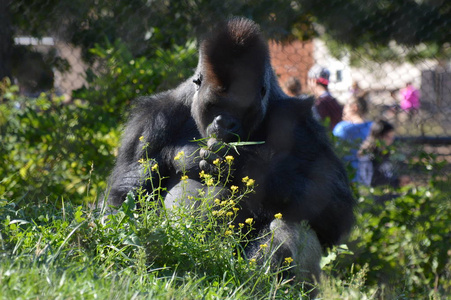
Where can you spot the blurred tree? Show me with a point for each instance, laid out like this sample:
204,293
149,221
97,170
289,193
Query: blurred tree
6,39
145,25
385,29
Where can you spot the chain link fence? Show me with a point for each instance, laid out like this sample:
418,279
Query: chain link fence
53,42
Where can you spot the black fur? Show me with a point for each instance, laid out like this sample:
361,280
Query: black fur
232,96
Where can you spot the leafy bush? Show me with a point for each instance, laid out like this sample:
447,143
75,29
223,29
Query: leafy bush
49,149
119,77
406,240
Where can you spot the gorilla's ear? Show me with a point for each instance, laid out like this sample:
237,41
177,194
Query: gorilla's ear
237,40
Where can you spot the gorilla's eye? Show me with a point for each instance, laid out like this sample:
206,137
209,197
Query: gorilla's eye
198,81
263,91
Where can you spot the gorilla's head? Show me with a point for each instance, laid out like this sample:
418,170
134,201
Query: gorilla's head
232,81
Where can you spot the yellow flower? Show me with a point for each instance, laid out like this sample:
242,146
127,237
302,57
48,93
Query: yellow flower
231,202
228,232
214,213
245,179
141,138
231,226
233,188
209,181
154,167
250,182
235,209
263,246
278,216
179,155
249,221
229,159
241,225
288,260
223,203
202,174
141,161
252,261
217,201
184,177
216,162
229,214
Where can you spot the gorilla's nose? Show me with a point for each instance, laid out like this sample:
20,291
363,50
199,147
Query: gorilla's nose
226,123
226,128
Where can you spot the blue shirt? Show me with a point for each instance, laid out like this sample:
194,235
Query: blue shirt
353,134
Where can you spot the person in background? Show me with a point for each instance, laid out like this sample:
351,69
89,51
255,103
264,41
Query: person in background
353,129
375,166
325,105
355,89
293,87
410,99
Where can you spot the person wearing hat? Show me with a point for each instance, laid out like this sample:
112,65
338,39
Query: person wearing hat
325,105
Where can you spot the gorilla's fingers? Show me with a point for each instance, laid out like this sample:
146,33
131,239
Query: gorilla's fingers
209,156
204,153
211,142
218,147
207,167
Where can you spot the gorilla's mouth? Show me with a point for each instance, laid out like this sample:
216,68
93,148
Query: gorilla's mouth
225,136
225,128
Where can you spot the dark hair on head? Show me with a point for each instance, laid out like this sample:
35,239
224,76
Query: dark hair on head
293,85
237,41
362,104
378,130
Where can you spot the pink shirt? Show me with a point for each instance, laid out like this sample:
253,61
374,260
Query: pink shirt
410,98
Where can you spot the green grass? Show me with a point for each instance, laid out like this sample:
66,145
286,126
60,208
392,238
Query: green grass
64,251
72,252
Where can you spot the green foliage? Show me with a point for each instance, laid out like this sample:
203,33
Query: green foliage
49,149
120,77
406,240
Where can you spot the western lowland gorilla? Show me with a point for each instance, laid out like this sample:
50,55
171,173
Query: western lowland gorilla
232,97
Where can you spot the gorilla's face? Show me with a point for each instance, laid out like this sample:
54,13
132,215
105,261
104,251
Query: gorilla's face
232,82
230,110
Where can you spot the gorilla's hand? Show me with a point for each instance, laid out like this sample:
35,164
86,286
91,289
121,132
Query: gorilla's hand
213,157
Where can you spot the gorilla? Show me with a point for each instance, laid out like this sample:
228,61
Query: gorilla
232,97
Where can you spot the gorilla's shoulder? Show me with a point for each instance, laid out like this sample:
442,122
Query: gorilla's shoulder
170,100
160,112
296,107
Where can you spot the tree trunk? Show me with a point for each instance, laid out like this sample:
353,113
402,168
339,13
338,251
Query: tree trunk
6,39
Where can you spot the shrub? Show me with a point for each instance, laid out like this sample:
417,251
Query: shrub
406,240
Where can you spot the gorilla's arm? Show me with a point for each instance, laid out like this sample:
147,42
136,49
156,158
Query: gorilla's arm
158,128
